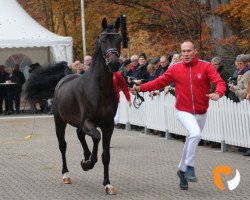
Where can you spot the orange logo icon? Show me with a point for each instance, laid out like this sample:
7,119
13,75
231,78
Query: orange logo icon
232,184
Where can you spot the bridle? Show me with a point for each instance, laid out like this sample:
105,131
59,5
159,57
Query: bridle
110,50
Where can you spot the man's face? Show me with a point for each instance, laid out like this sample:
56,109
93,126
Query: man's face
216,65
188,51
163,62
142,61
87,60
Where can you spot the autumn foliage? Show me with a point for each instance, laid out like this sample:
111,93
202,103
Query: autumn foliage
155,27
237,15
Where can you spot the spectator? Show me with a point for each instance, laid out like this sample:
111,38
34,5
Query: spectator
86,65
240,89
155,62
20,82
3,94
140,73
164,64
151,70
175,59
127,69
77,67
12,89
191,77
233,80
217,63
134,62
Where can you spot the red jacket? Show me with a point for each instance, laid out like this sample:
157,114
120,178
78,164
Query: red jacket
119,82
192,83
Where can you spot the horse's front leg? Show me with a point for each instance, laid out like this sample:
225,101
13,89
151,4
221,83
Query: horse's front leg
81,137
91,130
107,132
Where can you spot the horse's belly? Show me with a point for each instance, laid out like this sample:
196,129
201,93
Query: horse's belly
108,112
70,116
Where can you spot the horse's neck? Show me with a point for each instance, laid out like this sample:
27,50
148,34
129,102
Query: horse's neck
99,69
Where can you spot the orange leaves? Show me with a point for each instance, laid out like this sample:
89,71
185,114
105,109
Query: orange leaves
237,16
237,13
155,27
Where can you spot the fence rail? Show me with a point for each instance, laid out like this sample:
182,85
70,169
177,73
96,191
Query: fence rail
226,120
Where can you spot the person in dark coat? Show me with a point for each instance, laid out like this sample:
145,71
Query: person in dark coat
140,73
3,94
217,63
12,90
20,82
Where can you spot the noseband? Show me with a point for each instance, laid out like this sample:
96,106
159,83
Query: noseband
109,51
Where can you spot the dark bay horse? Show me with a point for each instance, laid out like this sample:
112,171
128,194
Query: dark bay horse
86,102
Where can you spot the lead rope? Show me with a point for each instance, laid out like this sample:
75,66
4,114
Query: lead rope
29,137
138,99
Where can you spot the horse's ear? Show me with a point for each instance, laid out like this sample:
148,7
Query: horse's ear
104,23
117,23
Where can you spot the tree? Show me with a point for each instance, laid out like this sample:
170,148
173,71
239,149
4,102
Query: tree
237,16
166,23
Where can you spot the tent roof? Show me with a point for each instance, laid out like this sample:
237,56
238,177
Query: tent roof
19,29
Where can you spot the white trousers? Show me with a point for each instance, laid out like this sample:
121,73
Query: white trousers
117,115
194,124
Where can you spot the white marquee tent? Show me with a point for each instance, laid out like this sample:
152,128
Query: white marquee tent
20,34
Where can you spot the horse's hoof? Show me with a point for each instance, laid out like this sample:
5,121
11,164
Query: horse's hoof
66,178
110,189
85,165
67,181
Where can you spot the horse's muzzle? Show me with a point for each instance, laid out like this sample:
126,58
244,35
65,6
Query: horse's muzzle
114,65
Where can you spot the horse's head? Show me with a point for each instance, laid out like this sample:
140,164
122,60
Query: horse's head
110,43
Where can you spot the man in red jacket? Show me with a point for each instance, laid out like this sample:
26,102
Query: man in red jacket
192,85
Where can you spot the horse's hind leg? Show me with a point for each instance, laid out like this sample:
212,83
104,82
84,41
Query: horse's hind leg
90,129
81,137
60,126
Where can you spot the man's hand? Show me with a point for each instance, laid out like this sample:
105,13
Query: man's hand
129,103
137,82
213,96
135,89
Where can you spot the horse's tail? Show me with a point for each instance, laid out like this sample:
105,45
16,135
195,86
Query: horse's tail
42,82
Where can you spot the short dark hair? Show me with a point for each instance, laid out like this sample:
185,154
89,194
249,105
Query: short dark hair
142,55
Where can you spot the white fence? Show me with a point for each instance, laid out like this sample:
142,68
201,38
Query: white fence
226,121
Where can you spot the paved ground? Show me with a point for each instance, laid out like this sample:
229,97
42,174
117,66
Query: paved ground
143,167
